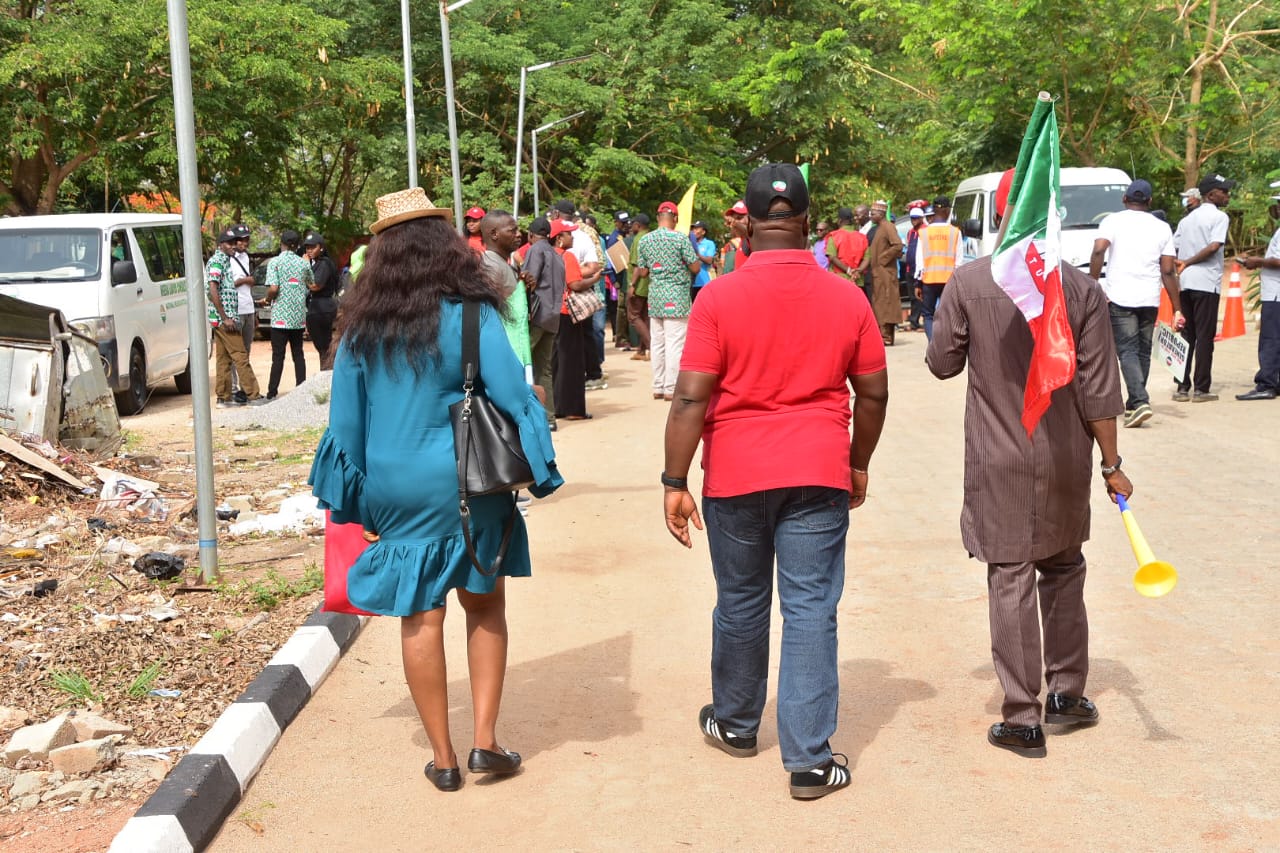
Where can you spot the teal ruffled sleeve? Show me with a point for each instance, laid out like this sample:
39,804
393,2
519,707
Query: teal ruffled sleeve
503,378
337,472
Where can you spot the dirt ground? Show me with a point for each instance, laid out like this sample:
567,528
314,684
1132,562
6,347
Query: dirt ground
220,642
610,648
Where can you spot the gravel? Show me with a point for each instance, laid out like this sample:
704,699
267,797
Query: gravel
302,407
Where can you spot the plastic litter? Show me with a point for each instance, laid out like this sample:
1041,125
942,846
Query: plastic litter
43,588
159,566
226,513
298,513
165,694
121,492
97,524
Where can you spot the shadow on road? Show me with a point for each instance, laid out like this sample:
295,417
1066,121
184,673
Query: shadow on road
579,695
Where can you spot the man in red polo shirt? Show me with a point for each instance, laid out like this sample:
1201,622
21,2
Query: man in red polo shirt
763,384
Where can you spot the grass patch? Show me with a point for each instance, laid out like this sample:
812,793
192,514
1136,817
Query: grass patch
73,682
321,397
146,679
266,594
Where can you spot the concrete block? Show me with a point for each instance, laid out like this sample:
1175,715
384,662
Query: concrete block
92,727
88,757
39,740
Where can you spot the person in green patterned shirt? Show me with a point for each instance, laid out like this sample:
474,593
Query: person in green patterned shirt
666,258
224,317
289,279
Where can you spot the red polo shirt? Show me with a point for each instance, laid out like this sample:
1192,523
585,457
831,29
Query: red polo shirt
783,336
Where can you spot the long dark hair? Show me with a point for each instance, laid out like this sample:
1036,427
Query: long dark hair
409,270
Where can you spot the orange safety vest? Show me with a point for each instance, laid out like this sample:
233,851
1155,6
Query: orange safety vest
940,242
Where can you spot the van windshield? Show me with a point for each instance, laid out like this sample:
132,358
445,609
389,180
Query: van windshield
1086,206
46,254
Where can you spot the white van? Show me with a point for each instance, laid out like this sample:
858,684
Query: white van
118,278
1089,194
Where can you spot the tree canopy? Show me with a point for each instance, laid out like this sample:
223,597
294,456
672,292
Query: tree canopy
300,106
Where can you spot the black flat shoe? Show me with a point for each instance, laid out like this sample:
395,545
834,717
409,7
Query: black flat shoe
1021,740
445,779
1061,709
827,779
486,761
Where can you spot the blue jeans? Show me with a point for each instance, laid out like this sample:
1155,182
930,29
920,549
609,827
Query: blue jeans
805,527
1132,329
598,322
932,294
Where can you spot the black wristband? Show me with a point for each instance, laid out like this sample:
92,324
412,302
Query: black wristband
675,482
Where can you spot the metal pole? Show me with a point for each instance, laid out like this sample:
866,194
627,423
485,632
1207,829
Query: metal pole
534,152
515,193
453,120
410,120
197,328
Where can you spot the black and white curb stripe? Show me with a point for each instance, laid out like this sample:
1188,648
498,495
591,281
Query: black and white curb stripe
187,810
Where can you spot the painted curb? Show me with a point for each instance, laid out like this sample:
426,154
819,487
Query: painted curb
186,812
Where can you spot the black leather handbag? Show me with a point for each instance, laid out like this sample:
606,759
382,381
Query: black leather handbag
487,444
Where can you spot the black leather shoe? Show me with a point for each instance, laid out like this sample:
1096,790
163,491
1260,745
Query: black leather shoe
1069,710
1258,394
445,779
738,746
1022,740
501,762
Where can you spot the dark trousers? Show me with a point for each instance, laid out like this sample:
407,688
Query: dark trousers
542,348
320,319
1201,311
1132,328
638,317
1268,375
932,294
279,338
1012,591
572,347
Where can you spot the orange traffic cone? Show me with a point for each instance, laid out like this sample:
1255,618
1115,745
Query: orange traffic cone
1166,309
1233,320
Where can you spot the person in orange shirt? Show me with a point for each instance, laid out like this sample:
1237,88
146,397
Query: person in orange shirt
472,221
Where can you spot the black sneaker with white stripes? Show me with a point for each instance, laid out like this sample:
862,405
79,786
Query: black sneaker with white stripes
827,779
739,746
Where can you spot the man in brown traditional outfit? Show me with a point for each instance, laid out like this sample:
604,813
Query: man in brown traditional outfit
1026,500
881,262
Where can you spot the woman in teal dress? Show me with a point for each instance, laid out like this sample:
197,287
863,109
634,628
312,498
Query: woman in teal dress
387,462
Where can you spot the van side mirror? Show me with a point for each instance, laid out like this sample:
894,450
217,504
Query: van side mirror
972,228
123,272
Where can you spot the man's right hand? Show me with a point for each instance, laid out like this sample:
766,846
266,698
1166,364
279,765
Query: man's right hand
1118,484
919,293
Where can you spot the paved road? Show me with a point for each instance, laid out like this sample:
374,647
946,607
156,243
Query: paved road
609,666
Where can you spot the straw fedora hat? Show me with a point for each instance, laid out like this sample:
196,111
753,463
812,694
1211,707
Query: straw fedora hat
404,205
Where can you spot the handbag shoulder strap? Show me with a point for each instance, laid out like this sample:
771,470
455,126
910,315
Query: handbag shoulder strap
470,342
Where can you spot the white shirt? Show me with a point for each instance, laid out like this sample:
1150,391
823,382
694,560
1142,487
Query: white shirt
244,292
1138,241
584,248
1199,228
1271,278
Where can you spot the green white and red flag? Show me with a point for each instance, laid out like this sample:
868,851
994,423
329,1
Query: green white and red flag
1027,262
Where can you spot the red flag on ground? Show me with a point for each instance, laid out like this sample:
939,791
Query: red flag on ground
1027,262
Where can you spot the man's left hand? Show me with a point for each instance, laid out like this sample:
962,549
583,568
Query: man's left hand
1118,484
679,507
858,494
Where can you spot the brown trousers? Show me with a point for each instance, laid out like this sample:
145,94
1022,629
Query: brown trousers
1015,631
638,317
231,351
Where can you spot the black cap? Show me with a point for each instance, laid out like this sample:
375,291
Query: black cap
540,226
565,206
845,213
942,201
1139,191
1215,182
642,218
313,238
774,181
242,231
289,237
700,224
622,216
228,236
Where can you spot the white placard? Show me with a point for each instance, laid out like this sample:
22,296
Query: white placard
1173,350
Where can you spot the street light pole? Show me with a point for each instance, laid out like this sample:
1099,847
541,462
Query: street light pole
524,74
453,120
534,151
410,121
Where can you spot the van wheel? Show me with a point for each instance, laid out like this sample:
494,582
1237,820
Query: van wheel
131,400
183,379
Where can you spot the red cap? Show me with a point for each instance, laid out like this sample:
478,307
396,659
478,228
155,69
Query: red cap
739,208
474,213
560,226
669,207
1002,191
